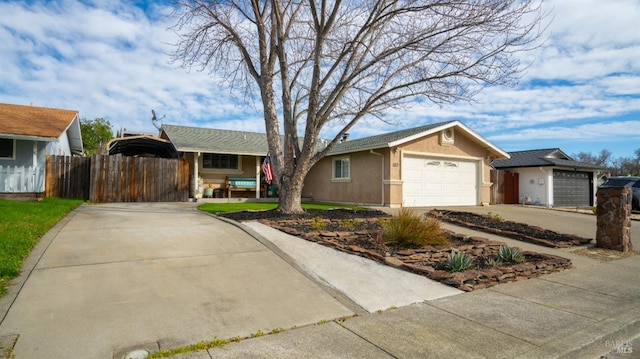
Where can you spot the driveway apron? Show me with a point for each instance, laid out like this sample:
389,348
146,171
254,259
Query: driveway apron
157,276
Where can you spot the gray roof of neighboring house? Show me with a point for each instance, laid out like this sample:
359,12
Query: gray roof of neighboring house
198,139
553,157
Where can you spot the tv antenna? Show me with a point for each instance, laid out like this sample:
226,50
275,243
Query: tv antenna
155,119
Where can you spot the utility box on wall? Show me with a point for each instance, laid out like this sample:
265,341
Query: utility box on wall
614,218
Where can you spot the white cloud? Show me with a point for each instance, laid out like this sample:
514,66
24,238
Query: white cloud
109,59
593,131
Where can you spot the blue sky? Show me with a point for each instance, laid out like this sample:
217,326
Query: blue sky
108,58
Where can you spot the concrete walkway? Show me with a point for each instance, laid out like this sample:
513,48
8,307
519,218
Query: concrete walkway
371,285
113,278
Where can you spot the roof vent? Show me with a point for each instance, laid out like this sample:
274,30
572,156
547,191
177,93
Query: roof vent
447,137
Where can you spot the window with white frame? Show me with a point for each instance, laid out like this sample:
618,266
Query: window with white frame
220,161
341,168
7,148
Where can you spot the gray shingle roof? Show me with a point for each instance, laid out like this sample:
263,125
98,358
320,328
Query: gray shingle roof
198,139
553,157
383,140
193,139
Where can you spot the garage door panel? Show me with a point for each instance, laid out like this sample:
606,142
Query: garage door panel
571,188
429,181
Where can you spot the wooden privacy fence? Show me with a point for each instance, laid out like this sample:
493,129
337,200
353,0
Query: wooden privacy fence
118,178
67,177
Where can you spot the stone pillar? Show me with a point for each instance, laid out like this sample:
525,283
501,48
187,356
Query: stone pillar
614,218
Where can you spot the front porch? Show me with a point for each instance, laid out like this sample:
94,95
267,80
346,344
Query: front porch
223,177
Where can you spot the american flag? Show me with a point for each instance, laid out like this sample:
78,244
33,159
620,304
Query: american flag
266,168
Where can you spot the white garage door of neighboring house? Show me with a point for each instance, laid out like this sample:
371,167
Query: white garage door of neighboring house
429,181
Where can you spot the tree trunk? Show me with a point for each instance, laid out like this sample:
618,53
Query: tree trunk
290,193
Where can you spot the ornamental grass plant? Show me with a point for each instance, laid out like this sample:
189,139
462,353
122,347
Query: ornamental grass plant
412,230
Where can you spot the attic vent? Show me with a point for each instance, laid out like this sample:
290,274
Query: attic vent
447,137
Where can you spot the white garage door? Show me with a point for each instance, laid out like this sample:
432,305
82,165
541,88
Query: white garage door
429,181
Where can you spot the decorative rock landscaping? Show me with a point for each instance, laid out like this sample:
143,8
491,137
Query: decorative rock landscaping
363,238
509,229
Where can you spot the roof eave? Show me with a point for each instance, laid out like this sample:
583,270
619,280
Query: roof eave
208,150
359,149
75,143
29,137
500,154
524,166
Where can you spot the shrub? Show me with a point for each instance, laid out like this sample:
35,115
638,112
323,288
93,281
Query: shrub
349,223
459,261
317,223
510,254
495,217
411,230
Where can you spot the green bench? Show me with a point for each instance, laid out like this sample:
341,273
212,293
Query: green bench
241,184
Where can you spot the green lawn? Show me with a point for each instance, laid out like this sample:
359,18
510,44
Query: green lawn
258,206
22,224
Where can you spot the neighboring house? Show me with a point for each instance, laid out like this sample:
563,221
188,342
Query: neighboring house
443,164
27,135
546,177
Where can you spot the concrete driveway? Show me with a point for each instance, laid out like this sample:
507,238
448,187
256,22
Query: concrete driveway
118,276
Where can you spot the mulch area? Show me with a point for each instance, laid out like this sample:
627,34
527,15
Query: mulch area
359,233
520,231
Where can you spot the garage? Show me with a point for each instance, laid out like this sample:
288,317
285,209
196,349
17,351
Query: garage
572,188
432,181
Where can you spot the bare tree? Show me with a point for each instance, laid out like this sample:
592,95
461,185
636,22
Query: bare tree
604,158
313,62
627,166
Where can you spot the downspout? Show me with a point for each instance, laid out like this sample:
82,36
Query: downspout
381,174
546,190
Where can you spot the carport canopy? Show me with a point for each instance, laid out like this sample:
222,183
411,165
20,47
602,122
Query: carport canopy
144,145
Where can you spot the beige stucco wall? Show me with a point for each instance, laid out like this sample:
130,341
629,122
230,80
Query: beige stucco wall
366,186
